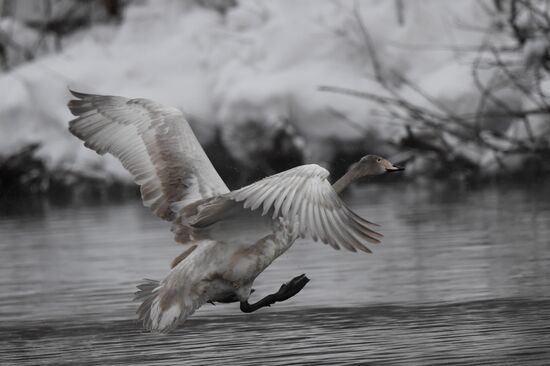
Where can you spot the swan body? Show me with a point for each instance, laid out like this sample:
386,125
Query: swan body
230,236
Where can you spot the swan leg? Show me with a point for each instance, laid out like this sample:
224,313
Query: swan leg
228,299
286,291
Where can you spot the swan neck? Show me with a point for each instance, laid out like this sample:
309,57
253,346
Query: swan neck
342,183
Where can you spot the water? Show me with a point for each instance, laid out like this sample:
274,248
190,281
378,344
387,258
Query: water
461,277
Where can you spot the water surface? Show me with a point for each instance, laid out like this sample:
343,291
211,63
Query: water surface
462,276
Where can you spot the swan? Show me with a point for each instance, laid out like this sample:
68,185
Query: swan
230,237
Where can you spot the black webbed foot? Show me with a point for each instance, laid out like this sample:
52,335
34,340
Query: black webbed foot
291,288
286,291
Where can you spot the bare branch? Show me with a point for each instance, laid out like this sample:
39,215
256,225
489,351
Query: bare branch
368,43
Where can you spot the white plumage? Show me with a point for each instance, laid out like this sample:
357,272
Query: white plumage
154,143
232,236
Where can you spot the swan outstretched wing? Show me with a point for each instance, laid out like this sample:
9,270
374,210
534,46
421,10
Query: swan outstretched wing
154,143
304,197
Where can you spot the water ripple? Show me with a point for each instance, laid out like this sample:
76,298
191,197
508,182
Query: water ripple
461,278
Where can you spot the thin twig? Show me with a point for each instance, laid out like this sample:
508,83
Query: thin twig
368,43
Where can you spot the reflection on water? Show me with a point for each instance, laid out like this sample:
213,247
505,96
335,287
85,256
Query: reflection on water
460,276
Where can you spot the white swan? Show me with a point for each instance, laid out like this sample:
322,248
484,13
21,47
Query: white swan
231,236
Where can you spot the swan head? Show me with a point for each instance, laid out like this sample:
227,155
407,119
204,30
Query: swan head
376,165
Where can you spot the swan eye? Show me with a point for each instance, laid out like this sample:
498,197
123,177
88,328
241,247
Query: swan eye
378,160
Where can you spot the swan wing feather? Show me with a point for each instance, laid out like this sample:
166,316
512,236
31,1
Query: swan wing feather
154,143
305,198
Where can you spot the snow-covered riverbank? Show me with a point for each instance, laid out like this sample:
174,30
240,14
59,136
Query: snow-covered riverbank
249,82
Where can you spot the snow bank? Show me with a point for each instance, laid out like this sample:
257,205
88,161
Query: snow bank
260,64
154,54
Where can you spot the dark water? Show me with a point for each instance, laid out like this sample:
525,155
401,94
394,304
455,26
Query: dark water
461,277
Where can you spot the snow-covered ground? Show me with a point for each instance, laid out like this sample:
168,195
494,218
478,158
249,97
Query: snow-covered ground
260,63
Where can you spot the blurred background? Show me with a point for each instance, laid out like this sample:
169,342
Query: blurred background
456,91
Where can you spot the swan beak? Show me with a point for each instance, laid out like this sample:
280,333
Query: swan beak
394,168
